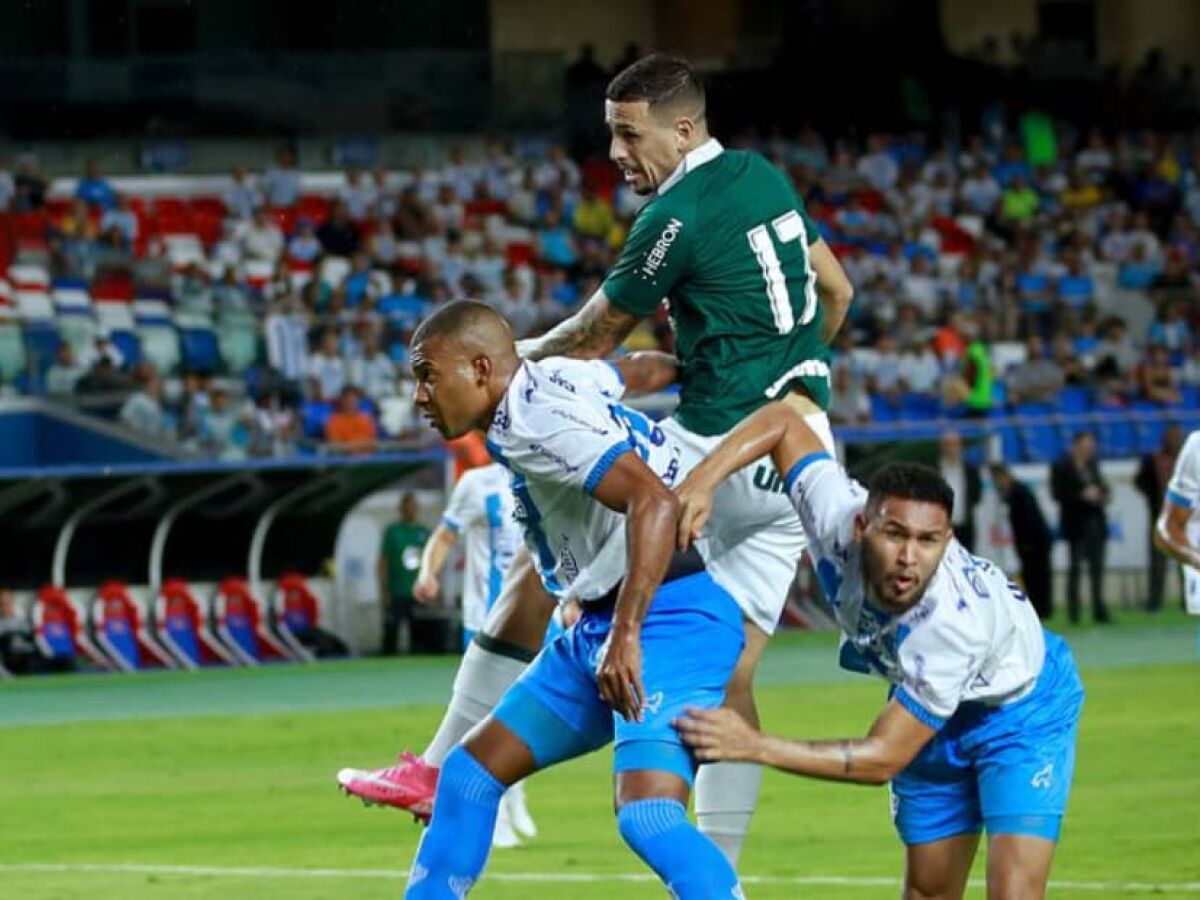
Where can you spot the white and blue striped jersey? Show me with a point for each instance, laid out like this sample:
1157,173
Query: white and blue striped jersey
1184,490
558,430
480,511
972,637
1184,487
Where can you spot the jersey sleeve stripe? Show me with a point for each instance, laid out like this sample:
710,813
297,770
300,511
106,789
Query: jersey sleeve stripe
909,702
803,463
452,523
605,462
1179,500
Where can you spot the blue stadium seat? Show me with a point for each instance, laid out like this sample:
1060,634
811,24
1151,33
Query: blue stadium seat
882,409
1149,431
1115,435
1074,400
41,345
129,345
1011,448
314,414
919,406
1043,441
198,348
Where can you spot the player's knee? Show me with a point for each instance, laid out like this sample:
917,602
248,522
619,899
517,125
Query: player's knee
1015,885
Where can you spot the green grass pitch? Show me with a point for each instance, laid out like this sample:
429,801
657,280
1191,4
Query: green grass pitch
220,784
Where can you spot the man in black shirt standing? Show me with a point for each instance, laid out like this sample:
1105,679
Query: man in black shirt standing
1032,539
1082,494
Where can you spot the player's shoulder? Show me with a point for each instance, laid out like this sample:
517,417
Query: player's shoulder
1191,448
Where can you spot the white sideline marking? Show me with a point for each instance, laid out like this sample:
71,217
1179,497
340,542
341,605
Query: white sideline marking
1140,887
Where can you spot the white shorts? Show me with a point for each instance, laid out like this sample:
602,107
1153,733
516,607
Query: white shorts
753,540
1191,590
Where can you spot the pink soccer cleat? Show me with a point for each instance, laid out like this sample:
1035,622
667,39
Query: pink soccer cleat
409,785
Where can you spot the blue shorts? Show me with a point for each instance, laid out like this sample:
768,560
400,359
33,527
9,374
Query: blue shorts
691,639
1007,769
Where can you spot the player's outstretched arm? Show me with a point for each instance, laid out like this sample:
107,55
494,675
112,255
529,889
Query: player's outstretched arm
593,332
433,559
1170,534
651,512
833,287
895,738
647,371
775,429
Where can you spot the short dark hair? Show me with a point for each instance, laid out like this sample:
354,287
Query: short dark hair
453,318
658,79
910,481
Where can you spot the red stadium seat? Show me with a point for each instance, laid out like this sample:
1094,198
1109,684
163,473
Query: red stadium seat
239,622
518,253
179,627
295,614
113,288
116,625
211,206
56,628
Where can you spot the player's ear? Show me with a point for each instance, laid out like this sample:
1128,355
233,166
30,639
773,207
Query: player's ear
684,129
860,526
482,366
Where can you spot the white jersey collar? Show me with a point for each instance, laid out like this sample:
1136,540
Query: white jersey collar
705,153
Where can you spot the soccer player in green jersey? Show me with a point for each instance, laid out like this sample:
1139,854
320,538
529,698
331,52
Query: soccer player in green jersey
755,297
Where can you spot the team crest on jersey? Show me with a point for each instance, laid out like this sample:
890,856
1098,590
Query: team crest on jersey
502,420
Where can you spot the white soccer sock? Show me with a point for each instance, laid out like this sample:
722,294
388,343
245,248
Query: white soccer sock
482,679
726,794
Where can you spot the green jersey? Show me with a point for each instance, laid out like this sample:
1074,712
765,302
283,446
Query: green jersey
726,242
401,550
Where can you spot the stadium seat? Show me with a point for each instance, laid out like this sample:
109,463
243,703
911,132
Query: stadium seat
1115,434
915,407
1042,440
115,625
160,347
257,273
313,416
1075,400
114,315
34,306
184,249
300,273
27,277
237,619
41,346
127,342
12,352
295,615
198,350
55,625
114,288
178,626
882,409
1149,426
6,297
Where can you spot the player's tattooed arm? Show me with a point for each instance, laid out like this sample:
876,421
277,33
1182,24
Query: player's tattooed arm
593,332
894,740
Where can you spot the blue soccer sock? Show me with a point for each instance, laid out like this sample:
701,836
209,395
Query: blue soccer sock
455,846
689,864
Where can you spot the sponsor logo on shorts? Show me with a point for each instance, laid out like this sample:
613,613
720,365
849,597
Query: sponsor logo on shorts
654,703
766,478
1043,777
